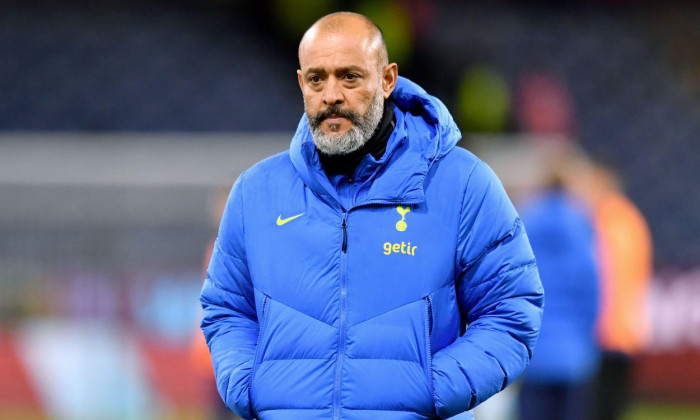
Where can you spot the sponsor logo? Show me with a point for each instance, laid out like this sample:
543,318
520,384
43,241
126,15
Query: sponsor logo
403,247
399,248
281,221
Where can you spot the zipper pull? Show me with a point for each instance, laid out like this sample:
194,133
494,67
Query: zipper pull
345,233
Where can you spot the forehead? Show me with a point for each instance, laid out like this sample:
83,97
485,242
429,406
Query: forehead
337,49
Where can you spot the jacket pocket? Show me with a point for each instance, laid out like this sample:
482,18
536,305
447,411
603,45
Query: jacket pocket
257,359
428,350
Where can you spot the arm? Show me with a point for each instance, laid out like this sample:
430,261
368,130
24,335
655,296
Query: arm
229,321
500,296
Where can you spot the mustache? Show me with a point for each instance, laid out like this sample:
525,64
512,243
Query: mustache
333,111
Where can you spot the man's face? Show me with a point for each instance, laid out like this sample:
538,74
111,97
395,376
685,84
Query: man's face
341,81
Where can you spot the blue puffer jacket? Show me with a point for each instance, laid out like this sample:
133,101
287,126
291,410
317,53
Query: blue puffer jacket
562,238
347,301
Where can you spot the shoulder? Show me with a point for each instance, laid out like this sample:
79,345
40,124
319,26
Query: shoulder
466,169
276,167
485,203
270,164
461,156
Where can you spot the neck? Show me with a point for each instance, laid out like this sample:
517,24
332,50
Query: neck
375,146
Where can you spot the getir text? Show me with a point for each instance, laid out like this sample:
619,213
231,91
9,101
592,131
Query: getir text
402,248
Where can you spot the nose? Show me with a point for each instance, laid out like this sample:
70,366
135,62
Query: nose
332,93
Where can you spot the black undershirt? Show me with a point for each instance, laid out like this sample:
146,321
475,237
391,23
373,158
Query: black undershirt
376,146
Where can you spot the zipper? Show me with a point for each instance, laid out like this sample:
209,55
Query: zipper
428,350
258,353
343,295
386,203
429,315
344,248
343,320
263,318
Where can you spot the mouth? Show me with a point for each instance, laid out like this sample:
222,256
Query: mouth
335,119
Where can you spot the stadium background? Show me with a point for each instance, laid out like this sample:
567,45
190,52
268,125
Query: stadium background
121,123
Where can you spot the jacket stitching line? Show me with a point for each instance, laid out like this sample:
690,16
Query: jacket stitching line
228,387
299,311
493,245
344,408
461,211
396,308
520,340
501,275
294,359
331,358
221,248
246,275
386,358
503,370
220,288
401,306
472,391
387,409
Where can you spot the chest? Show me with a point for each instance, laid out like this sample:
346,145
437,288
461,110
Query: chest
307,253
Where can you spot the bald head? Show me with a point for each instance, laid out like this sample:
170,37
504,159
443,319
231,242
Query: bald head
345,77
347,22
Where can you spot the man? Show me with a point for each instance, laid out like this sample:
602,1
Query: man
625,250
557,385
347,268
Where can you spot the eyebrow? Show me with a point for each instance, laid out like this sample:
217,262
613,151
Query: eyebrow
339,70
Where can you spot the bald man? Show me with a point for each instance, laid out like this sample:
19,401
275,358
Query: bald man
373,270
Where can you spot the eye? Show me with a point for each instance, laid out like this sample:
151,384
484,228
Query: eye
314,79
351,76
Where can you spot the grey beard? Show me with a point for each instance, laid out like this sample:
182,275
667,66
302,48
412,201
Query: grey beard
362,128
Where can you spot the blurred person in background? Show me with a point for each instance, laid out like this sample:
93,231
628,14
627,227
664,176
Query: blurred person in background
558,383
625,253
198,347
373,270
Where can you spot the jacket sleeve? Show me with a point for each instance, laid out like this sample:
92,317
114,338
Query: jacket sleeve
500,296
229,319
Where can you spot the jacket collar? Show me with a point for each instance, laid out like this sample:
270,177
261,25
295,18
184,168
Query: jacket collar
424,132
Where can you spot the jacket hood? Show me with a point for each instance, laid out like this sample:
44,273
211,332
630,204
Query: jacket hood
413,99
425,131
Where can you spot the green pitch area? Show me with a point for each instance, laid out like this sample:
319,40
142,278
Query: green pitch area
658,411
638,411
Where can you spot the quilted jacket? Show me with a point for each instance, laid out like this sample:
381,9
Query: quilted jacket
562,237
410,292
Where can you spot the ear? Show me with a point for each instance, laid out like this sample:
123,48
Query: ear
390,74
301,80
